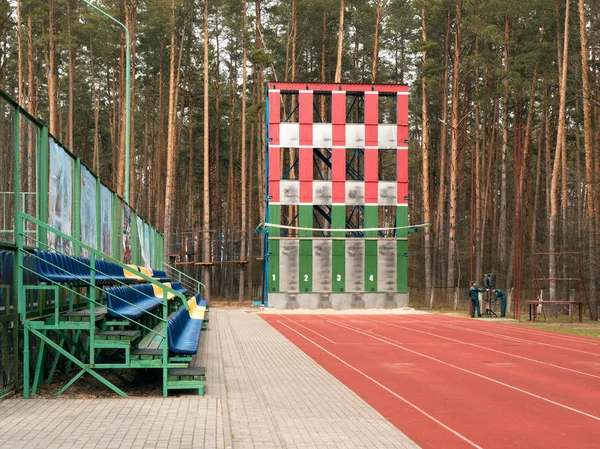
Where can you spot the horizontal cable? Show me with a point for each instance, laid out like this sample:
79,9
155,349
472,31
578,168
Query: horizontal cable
271,225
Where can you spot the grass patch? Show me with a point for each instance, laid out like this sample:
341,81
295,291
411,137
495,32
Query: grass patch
558,323
585,329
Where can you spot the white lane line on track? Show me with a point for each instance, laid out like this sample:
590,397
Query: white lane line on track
308,329
509,326
518,339
396,395
486,348
512,387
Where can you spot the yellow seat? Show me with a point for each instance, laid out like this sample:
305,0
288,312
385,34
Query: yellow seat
159,291
130,274
146,271
196,312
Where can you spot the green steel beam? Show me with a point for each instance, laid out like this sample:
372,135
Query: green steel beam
39,366
43,182
76,223
75,360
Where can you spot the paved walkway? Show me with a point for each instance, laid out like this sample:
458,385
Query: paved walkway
262,392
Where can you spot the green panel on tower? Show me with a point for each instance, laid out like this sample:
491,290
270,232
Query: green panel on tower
338,249
402,270
305,220
274,217
371,221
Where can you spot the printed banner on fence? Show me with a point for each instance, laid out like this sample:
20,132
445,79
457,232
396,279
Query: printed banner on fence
146,248
126,234
89,231
140,234
60,197
106,220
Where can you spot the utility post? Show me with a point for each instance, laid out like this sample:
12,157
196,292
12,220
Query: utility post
127,94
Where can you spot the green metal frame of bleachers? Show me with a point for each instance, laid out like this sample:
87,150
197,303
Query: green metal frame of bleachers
73,320
66,326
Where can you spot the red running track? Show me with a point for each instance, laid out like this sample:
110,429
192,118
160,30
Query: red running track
449,382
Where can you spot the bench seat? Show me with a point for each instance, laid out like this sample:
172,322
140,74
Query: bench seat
183,333
129,302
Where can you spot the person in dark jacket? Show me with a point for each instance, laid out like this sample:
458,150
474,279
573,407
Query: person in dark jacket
474,295
499,295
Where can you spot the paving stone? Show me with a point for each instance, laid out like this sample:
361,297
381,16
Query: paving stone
254,399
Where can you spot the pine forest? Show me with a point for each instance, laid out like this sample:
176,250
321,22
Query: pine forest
504,148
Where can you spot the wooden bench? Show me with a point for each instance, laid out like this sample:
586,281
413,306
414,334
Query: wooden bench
534,303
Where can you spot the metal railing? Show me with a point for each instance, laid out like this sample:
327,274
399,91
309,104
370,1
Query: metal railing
186,280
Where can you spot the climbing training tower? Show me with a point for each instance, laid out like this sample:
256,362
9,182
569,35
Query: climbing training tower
337,193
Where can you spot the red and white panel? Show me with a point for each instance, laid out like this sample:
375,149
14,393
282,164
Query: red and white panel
402,150
274,153
305,108
338,148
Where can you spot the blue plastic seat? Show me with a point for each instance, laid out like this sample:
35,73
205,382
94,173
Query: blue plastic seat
178,287
128,302
46,269
160,275
183,333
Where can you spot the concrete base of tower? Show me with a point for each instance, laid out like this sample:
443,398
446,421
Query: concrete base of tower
338,301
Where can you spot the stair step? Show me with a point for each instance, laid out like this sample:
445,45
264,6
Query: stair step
83,315
118,335
117,323
146,354
190,373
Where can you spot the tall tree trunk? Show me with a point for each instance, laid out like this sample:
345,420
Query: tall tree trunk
340,46
503,196
425,155
31,104
323,61
477,214
122,120
230,187
206,210
244,168
71,93
454,149
52,75
96,105
560,143
517,247
589,171
20,96
378,13
538,182
131,23
294,39
440,230
170,192
217,193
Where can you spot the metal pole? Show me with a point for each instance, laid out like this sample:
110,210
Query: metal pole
127,94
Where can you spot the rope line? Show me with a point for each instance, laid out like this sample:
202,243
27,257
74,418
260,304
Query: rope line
264,225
